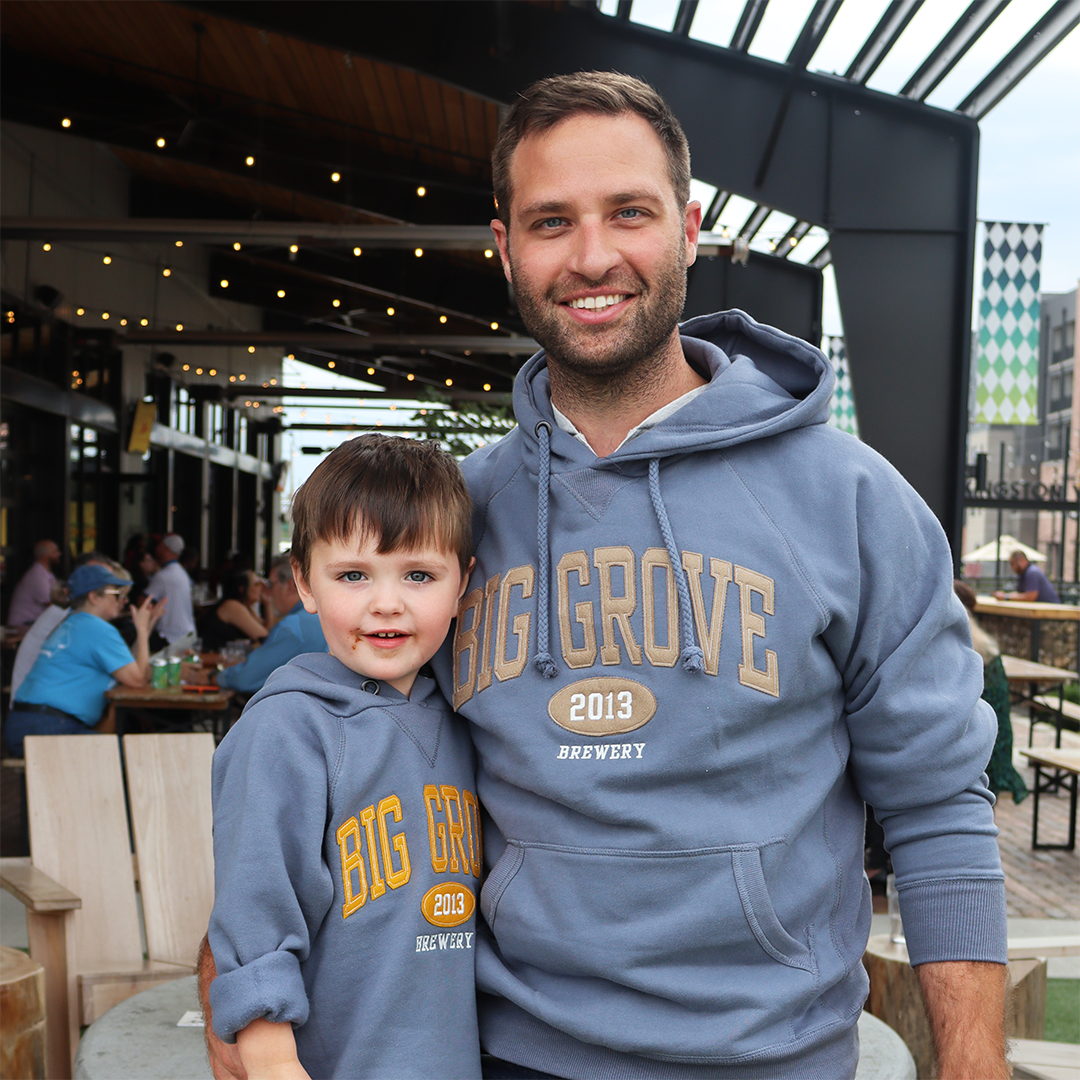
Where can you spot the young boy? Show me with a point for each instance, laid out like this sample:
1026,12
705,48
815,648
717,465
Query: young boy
346,832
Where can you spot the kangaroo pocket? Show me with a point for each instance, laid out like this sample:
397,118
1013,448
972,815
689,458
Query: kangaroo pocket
647,951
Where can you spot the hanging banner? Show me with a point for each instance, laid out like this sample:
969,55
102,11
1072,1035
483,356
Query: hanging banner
842,411
1007,360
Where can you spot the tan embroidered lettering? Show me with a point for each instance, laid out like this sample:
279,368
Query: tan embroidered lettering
504,668
753,625
394,878
466,641
708,638
436,831
659,655
350,861
583,611
617,609
491,587
456,828
472,827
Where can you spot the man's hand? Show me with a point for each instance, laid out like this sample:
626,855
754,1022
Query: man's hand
225,1061
965,1003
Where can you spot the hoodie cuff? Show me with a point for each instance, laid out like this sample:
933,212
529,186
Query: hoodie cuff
270,987
955,919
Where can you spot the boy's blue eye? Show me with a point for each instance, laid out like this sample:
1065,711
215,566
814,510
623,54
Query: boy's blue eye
352,575
418,575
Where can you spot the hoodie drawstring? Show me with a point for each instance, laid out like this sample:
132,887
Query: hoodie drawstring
693,659
544,662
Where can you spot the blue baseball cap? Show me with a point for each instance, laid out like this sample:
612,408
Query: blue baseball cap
91,577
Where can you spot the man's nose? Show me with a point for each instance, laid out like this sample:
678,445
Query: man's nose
595,254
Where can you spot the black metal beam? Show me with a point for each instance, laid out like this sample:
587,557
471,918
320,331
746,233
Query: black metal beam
883,37
1060,20
684,17
749,21
952,47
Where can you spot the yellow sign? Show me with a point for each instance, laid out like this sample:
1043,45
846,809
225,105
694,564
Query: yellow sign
145,415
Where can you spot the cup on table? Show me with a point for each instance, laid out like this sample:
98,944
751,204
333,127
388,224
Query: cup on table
896,926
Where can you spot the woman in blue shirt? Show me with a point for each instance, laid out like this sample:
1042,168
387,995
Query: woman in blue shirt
64,692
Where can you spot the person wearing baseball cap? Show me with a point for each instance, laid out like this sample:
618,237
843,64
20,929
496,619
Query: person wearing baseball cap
64,692
171,582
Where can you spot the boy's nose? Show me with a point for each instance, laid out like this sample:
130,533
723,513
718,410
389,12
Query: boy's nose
386,598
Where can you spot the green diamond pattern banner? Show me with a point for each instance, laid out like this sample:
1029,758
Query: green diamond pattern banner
1007,361
842,413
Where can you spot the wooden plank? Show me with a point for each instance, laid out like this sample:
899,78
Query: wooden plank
1050,704
1058,945
52,945
36,890
1018,669
79,838
172,819
1067,760
22,1012
100,991
1027,609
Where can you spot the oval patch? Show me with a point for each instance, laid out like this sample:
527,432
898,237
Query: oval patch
448,904
605,705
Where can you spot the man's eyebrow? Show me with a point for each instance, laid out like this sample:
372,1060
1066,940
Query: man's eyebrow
554,207
551,207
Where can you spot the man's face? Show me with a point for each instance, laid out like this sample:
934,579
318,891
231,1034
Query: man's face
598,247
52,554
384,615
283,591
1018,564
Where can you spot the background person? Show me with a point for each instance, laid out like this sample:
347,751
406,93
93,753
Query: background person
172,583
1033,584
33,592
296,632
64,692
237,617
1000,771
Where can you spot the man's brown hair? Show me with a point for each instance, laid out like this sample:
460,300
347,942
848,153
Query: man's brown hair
605,93
404,493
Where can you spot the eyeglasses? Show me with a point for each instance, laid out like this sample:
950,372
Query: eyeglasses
113,592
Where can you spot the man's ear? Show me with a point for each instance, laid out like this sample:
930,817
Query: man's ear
502,240
302,588
692,224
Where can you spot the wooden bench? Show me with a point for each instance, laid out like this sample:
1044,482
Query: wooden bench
1064,764
1062,714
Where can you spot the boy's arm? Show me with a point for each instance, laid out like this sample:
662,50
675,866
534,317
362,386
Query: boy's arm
269,1050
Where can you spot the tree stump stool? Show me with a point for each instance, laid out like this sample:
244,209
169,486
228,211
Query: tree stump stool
22,1016
896,999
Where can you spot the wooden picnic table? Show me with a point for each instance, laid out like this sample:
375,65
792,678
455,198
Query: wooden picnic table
178,698
1066,769
1027,673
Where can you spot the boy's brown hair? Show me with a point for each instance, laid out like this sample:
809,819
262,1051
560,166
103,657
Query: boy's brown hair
404,493
605,93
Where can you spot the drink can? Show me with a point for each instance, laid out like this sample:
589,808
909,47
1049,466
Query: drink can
175,665
159,673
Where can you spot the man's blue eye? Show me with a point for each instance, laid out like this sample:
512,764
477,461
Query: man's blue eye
551,222
631,211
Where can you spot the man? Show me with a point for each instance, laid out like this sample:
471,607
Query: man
172,581
297,631
690,653
1033,584
32,594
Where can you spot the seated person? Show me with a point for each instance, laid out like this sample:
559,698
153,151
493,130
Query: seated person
235,618
1032,583
64,692
297,631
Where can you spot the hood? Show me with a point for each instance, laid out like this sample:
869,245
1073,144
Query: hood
326,678
761,382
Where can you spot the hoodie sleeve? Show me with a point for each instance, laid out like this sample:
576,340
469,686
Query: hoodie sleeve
272,886
921,736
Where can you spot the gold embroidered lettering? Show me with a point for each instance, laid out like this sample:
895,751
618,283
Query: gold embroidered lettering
491,587
350,861
457,828
721,574
472,826
583,611
753,625
616,609
466,641
659,655
436,830
504,668
394,878
367,819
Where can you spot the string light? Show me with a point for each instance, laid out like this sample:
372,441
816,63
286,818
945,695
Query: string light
242,376
198,371
166,272
236,245
46,247
161,143
389,311
281,294
421,191
104,314
442,318
66,122
80,311
487,386
336,303
232,378
179,327
179,243
410,376
449,382
249,161
335,176
494,326
331,364
107,259
488,253
251,348
371,371
144,322
187,367
358,251
418,252
294,248
273,382
213,371
224,283
123,322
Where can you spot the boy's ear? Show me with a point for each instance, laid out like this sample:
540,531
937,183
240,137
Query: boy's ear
465,579
302,588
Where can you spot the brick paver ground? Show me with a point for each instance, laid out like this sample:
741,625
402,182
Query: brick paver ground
1038,884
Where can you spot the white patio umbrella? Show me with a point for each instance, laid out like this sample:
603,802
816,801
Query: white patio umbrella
1009,544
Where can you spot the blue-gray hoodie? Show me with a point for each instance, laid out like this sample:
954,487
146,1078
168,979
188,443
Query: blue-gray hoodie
347,855
675,764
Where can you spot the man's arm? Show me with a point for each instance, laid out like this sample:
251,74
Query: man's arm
965,1004
225,1062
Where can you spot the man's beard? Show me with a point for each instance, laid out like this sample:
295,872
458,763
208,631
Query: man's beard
610,354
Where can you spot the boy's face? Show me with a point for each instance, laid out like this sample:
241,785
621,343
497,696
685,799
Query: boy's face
383,615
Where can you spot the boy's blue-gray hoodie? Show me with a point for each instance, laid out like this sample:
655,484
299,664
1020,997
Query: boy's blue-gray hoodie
347,856
676,809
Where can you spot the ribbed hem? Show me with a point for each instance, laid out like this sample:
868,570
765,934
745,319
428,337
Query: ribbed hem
270,986
955,919
514,1035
